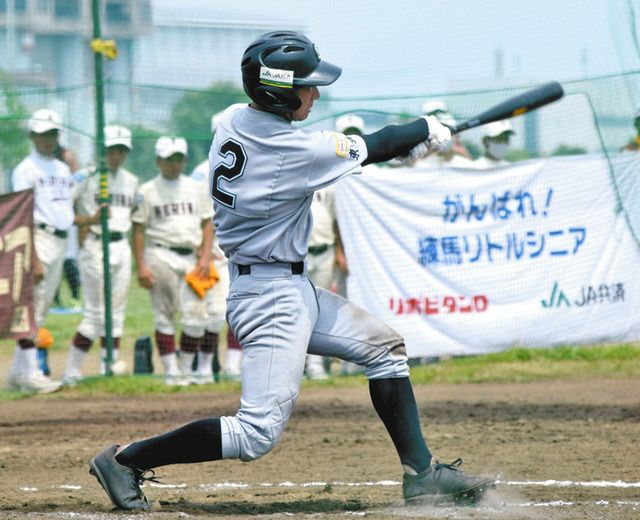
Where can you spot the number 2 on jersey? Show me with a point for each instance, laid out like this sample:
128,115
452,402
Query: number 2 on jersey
233,150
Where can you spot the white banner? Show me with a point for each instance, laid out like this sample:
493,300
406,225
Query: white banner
465,261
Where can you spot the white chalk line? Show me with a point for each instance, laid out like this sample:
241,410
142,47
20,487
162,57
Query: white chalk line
380,483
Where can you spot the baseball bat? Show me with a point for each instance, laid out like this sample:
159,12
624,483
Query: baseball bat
515,106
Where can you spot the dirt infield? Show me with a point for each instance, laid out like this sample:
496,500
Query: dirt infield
563,449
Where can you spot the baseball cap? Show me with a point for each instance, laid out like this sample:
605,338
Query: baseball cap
43,120
497,128
349,121
215,118
167,146
430,108
439,110
117,135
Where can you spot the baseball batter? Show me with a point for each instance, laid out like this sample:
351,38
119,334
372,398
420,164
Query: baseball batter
172,235
264,172
122,186
52,183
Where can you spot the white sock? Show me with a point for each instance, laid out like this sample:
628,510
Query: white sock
205,360
16,364
186,362
233,361
29,363
103,357
75,358
170,364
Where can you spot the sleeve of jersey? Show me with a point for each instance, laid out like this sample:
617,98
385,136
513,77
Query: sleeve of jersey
21,179
394,140
140,211
337,155
205,203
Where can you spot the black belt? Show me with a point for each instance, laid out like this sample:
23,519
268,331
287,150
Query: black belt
60,233
296,268
318,250
180,250
114,236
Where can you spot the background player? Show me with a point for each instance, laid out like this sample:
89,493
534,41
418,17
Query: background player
458,155
634,144
217,298
122,185
264,172
172,234
496,141
52,184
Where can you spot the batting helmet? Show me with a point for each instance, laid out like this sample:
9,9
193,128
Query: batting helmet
277,62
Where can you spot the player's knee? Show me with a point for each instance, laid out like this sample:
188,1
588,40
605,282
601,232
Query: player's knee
248,439
391,361
260,442
195,331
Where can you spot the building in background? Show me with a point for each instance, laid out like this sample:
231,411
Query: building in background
44,45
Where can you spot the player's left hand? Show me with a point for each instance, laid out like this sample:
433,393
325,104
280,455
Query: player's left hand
439,139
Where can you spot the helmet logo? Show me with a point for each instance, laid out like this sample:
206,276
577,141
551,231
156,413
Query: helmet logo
316,51
276,77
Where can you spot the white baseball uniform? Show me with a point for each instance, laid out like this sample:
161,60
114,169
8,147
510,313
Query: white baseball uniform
321,258
172,212
53,186
122,186
217,296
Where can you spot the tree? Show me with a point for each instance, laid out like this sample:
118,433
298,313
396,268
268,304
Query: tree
565,149
191,116
14,145
141,160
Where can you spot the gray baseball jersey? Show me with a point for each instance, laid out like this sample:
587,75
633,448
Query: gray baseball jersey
262,180
263,174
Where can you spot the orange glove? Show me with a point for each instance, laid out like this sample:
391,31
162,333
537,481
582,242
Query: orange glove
44,338
200,285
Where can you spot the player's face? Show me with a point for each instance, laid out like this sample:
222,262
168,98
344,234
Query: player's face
307,95
115,156
45,143
172,166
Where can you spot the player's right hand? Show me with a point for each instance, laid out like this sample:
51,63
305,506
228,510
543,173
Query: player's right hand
38,270
439,139
145,277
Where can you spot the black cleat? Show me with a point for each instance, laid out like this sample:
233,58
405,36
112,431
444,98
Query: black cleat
445,483
121,483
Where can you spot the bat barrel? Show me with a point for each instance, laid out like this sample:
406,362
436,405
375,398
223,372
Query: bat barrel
515,106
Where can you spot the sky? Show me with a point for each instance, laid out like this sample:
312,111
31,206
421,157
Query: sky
415,50
387,47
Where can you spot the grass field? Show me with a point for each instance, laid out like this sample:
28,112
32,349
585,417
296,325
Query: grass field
515,365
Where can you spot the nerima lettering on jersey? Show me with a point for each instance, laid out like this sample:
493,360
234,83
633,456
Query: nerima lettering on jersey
117,199
55,182
176,208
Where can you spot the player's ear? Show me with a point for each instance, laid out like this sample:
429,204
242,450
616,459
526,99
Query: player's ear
277,99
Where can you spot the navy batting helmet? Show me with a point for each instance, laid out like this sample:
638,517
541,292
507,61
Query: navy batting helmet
277,62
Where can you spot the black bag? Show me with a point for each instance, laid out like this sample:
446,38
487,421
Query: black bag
143,356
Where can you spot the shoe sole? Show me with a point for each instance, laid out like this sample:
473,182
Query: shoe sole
95,471
32,390
468,497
